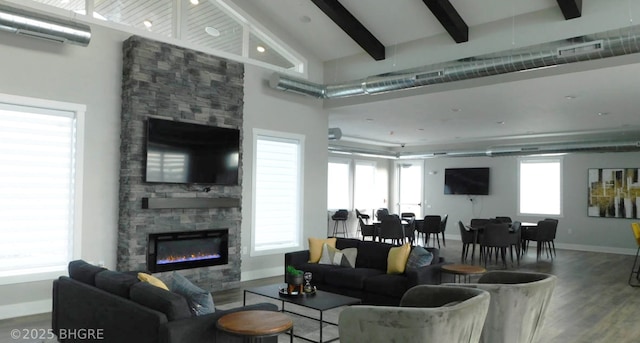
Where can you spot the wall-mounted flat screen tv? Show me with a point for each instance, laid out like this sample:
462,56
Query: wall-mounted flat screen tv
179,152
470,181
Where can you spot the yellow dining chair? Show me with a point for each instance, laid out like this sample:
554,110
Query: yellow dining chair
636,234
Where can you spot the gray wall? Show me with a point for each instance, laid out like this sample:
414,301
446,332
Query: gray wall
575,231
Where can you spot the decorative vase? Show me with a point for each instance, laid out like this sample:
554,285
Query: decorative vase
294,283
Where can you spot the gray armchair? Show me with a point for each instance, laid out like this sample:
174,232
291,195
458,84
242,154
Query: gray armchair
519,301
426,314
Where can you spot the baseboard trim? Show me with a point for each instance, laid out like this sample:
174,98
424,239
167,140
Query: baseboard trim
578,247
261,274
25,309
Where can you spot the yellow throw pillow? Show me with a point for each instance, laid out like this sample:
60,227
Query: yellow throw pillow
397,259
315,247
152,280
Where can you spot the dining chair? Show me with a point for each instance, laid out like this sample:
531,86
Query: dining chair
381,213
515,239
410,226
545,234
504,220
430,227
443,226
367,230
495,239
391,228
467,236
360,215
635,228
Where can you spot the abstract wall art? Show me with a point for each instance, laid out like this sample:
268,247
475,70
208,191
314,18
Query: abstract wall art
614,193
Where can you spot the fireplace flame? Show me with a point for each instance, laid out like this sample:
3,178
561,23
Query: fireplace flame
187,258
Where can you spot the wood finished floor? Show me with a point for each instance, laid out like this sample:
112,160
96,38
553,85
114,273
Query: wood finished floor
591,302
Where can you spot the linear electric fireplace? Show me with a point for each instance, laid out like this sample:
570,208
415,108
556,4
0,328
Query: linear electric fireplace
187,249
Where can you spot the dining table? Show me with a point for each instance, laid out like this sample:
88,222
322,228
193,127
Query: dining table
477,229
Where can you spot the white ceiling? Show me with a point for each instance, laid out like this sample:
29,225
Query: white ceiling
481,113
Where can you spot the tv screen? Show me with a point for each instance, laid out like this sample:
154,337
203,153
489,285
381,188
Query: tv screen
179,152
471,181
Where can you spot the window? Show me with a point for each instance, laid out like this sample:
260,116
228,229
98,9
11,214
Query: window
364,192
40,187
338,185
540,186
277,178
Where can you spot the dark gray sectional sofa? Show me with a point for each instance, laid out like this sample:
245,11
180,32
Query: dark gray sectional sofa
127,310
369,280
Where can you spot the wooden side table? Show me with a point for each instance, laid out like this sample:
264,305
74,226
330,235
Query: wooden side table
254,325
463,272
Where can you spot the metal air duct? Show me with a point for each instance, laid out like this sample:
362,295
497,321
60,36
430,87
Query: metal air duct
597,46
44,27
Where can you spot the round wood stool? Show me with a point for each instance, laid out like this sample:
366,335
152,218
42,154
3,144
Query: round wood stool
254,325
462,271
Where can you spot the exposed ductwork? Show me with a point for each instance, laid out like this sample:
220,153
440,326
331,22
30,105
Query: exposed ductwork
596,46
573,147
44,27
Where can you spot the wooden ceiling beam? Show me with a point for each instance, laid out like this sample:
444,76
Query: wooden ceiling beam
450,19
351,26
570,8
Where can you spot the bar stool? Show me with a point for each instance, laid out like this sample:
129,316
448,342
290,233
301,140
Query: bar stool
340,216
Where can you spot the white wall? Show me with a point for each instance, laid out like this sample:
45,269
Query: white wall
90,76
268,109
576,230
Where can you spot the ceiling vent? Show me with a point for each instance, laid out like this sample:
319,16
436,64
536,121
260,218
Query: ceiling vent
43,27
589,47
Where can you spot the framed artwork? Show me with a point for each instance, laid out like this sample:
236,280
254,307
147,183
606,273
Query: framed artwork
614,193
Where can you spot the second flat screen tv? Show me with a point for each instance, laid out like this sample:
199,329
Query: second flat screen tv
469,181
179,152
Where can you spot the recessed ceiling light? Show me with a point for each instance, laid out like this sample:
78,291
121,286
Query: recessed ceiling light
369,119
500,122
305,19
456,110
212,31
261,48
420,129
603,113
148,23
569,97
195,2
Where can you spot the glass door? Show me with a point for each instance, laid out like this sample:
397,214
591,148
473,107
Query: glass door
409,186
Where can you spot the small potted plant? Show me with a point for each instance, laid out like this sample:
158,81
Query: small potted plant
294,279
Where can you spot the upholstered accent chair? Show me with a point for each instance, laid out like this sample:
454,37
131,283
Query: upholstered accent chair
519,302
426,314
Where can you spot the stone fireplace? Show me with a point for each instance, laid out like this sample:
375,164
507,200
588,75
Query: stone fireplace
163,80
187,249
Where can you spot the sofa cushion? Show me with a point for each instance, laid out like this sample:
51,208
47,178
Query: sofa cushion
344,243
115,282
397,259
84,272
318,271
345,257
419,257
173,305
373,255
436,255
393,285
200,301
148,278
315,247
350,278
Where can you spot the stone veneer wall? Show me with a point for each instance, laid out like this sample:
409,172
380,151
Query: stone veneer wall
167,81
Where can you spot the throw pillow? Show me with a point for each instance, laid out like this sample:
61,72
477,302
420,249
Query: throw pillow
419,257
397,259
315,247
200,301
345,257
144,277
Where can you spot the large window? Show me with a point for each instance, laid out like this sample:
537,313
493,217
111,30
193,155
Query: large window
338,185
40,187
364,189
540,190
277,192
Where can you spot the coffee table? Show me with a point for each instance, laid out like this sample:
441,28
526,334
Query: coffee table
462,271
254,325
320,301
